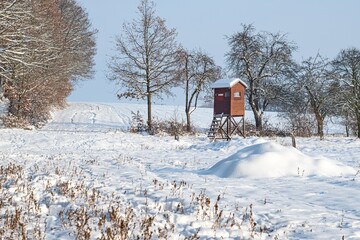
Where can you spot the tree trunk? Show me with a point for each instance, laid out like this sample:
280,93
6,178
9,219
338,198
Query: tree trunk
257,114
320,124
320,128
187,104
187,107
258,122
255,107
148,90
293,140
357,113
188,122
149,120
14,106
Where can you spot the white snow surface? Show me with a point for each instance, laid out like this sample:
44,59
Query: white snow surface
269,159
86,158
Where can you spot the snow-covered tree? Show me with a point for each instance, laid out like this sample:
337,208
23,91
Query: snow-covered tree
15,40
45,46
261,59
146,63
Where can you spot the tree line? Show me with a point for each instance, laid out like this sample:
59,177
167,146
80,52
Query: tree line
149,62
305,92
47,46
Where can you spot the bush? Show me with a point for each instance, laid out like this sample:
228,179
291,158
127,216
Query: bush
137,123
173,127
301,124
268,130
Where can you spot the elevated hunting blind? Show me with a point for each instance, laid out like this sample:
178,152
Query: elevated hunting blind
229,109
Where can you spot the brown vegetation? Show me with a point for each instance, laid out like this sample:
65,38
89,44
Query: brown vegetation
46,46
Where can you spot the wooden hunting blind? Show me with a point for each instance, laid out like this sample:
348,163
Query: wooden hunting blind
229,109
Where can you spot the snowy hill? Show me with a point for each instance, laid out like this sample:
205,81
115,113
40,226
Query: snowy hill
269,160
84,175
101,117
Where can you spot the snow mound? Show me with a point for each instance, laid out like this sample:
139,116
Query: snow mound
270,159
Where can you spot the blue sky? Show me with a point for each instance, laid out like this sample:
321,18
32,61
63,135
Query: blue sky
324,26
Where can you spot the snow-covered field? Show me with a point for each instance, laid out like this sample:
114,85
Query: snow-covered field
84,176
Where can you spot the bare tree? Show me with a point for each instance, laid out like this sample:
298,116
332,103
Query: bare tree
293,106
77,39
320,89
147,60
198,72
347,72
262,60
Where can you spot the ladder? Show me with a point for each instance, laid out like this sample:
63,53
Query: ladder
214,127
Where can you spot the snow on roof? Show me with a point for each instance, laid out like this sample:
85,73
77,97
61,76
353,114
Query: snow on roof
227,83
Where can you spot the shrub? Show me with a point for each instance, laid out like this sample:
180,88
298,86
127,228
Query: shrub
173,127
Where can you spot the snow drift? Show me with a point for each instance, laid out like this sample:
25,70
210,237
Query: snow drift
273,160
